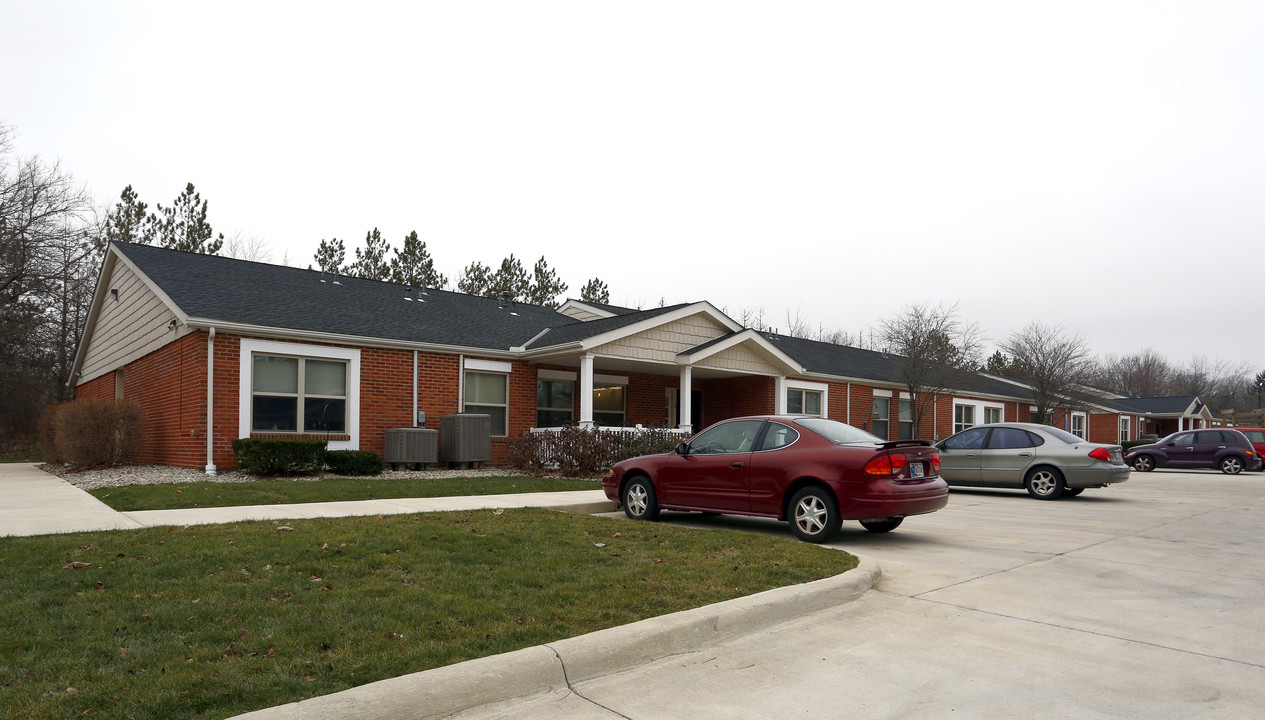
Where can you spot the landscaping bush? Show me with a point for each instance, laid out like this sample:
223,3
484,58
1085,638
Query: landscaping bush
576,451
92,433
46,431
258,456
353,462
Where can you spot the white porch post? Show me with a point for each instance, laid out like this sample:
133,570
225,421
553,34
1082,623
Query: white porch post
683,399
586,391
779,395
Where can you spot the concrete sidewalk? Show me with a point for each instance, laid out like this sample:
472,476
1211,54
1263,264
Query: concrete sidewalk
33,502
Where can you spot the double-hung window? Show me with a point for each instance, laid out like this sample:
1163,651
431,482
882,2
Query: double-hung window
803,402
880,417
298,394
963,417
1078,425
906,419
488,393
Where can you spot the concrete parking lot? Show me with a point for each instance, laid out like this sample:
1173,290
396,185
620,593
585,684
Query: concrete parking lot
1144,600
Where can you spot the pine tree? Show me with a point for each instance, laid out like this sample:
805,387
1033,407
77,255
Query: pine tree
183,226
510,279
331,257
595,291
545,285
126,222
413,265
475,279
372,263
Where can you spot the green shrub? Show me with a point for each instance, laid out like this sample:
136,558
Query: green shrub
259,456
353,462
93,433
576,451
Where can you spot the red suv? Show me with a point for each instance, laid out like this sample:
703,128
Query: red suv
1256,436
1224,449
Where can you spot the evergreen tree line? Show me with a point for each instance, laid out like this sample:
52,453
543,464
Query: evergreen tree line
413,265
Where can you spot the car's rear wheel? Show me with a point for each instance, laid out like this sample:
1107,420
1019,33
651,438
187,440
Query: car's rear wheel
1073,492
1144,463
881,526
814,515
1045,483
640,501
1231,465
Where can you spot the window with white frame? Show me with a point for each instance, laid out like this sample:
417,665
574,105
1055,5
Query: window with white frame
963,417
298,394
906,410
804,402
1078,425
488,393
880,417
1125,428
608,405
992,414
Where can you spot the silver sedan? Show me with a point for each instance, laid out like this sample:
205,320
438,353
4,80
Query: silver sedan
1045,460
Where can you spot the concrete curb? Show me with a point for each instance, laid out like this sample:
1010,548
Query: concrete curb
445,691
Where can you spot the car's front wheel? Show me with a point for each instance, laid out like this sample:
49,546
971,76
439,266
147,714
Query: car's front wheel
1231,465
814,515
640,501
1045,483
882,526
1144,463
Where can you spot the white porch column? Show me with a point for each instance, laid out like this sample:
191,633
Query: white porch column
683,399
779,395
586,391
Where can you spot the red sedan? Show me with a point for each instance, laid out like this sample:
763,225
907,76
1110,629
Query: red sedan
813,472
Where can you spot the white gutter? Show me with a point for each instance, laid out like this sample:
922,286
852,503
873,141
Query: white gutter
210,401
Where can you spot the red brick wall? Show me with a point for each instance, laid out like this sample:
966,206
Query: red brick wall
101,388
1104,428
736,397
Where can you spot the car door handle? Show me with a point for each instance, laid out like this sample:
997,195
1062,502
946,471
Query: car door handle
971,455
1025,454
736,464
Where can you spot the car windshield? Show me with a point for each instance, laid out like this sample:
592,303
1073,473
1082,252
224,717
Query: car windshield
1063,435
837,432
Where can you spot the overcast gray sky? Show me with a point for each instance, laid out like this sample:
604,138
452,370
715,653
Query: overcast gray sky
1099,165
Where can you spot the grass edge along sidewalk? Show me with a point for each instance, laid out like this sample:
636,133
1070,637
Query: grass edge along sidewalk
171,496
213,621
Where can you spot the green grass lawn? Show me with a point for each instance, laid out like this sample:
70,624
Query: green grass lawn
213,621
275,492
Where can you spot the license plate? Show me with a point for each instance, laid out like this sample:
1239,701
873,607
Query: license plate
915,470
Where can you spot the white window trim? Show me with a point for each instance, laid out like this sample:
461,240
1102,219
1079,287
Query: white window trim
783,385
978,416
464,402
1071,423
491,366
879,392
245,371
545,374
1126,424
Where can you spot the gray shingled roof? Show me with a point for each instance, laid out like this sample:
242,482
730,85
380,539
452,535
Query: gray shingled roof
1153,405
236,291
581,330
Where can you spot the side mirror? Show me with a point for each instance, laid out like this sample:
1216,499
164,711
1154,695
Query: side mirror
682,449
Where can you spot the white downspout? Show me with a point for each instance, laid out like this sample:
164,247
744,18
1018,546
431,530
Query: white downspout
210,401
847,411
414,388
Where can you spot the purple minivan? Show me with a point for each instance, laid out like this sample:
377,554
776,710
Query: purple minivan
1222,448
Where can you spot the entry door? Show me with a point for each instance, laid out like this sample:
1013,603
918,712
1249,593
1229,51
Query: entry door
674,408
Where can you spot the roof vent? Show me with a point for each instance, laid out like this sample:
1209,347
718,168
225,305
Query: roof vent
505,300
408,292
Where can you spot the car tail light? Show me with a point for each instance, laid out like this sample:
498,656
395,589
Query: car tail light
935,464
885,465
1100,454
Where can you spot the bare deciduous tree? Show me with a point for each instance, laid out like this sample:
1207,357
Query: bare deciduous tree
1055,364
935,350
